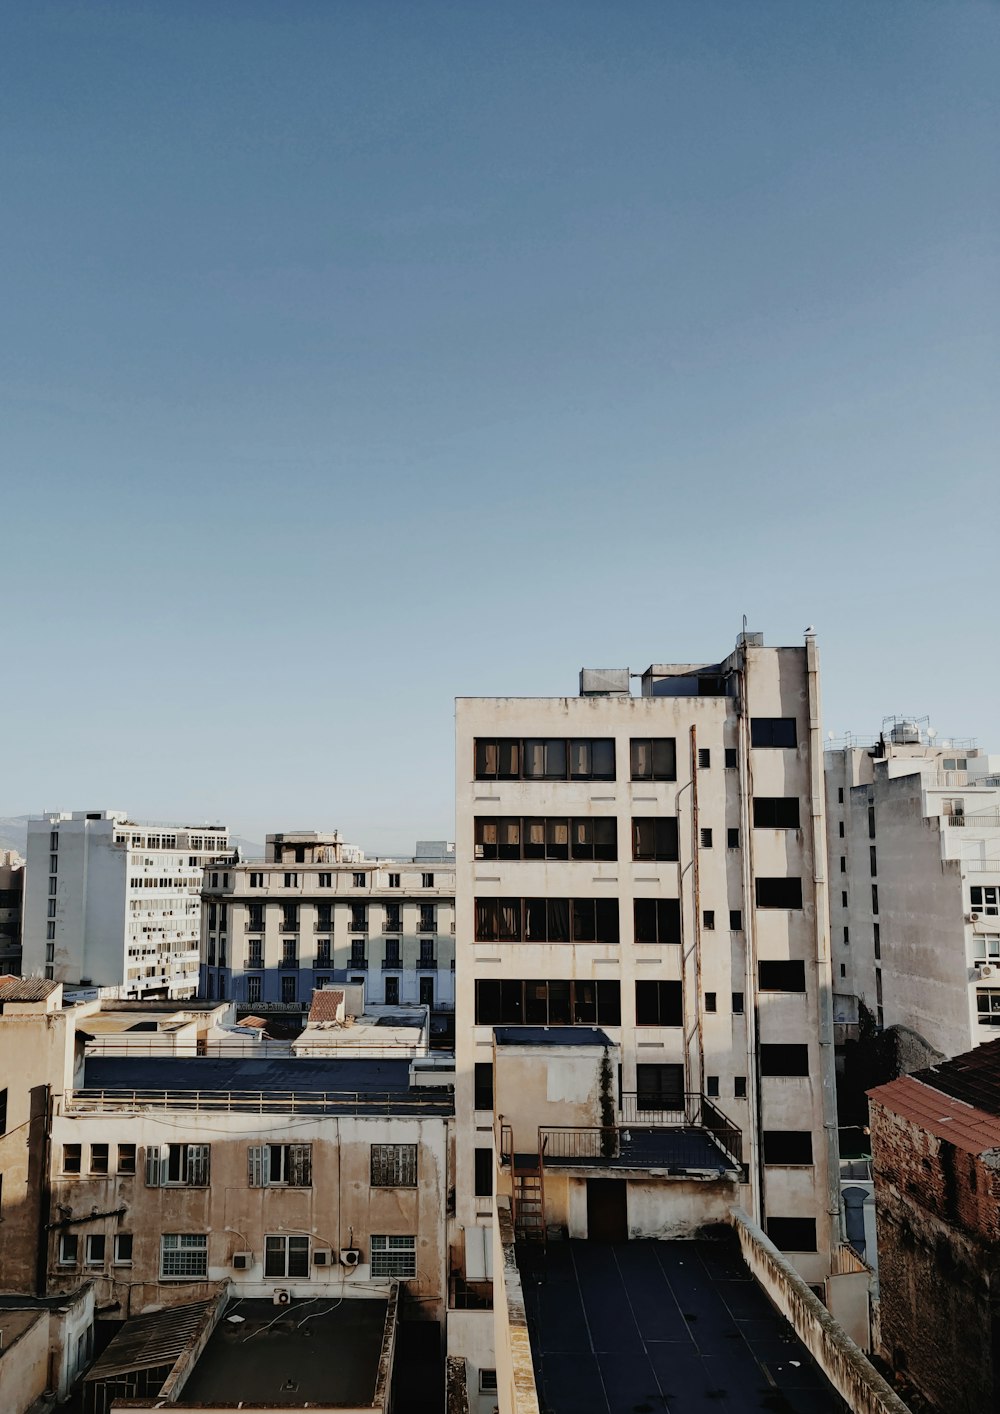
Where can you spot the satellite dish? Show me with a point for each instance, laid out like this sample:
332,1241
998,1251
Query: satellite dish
931,733
829,736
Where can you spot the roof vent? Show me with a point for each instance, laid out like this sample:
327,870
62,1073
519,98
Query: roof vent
604,682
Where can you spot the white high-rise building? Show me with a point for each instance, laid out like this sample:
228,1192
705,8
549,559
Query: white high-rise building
914,863
110,902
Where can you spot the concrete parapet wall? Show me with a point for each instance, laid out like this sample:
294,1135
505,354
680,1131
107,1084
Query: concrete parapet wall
516,1393
854,1378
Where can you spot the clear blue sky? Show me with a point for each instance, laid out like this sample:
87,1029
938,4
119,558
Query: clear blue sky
356,356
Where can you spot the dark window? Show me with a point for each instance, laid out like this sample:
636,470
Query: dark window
654,837
877,939
288,989
776,812
732,839
847,936
98,1158
784,1059
740,1087
872,861
391,991
497,759
72,1158
737,1003
658,1004
484,1173
483,1083
708,919
871,822
843,864
773,731
712,1086
653,758
539,920
543,1003
840,795
781,976
427,922
3,1111
545,758
704,758
736,919
793,1234
659,1087
840,829
394,1166
843,969
657,920
788,1146
843,898
778,893
711,1003
730,757
706,839
126,1158
123,1249
874,898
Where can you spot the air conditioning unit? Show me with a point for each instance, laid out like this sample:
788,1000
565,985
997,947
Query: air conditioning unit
350,1256
281,1296
242,1261
321,1257
973,917
986,971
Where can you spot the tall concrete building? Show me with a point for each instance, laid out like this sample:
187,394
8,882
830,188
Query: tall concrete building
914,864
110,902
315,911
643,1010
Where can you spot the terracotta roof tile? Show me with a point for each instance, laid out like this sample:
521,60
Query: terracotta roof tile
940,1114
326,1005
26,989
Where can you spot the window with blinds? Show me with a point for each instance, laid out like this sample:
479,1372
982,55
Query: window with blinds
394,1166
279,1165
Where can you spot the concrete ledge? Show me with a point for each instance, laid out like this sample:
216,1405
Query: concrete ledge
852,1375
516,1392
387,1355
456,1386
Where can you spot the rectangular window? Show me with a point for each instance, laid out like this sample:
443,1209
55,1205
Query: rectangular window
98,1158
778,893
539,920
658,1004
392,955
487,1381
394,1166
784,1059
654,838
545,758
394,881
983,898
358,880
788,1146
776,812
253,986
483,1082
704,758
53,839
50,931
781,976
322,952
708,919
390,991
736,919
286,1255
706,839
988,1006
793,1234
428,918
324,880
871,821
874,898
393,1256
659,1087
730,758
256,879
773,731
737,1003
847,936
177,1165
515,1002
711,1002
653,758
183,1256
712,1086
427,881
289,987
514,837
279,1165
69,1247
877,939
359,918
739,1087
123,1249
3,1110
96,1243
291,881
872,861
732,839
51,908
484,1173
657,920
72,1158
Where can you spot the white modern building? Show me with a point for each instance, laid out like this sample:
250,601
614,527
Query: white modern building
644,973
110,902
914,863
316,912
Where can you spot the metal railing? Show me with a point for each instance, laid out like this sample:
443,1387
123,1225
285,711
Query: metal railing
566,1142
426,964
358,963
357,1102
390,964
988,820
723,1131
659,1111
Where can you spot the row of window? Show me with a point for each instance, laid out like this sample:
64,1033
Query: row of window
187,1165
289,879
392,922
253,985
184,1255
564,920
530,1002
427,955
593,758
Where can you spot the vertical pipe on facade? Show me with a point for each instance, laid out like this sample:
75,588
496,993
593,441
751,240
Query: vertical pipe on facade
696,888
824,966
755,1164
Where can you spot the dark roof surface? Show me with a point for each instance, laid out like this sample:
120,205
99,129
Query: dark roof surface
674,1149
147,1342
551,1036
322,1352
973,1077
676,1327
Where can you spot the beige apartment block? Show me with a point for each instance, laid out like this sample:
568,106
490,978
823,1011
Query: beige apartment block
316,912
914,864
643,1010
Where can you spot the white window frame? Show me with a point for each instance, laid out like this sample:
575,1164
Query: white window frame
393,1256
65,1240
88,1259
117,1259
986,947
187,1248
279,1165
283,1244
193,1164
989,905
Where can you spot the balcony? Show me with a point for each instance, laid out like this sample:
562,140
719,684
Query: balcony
289,927
392,964
358,964
358,925
254,962
288,963
254,925
426,964
323,925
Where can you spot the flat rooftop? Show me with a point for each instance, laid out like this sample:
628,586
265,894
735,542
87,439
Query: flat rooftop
551,1036
322,1352
355,1086
671,1327
675,1150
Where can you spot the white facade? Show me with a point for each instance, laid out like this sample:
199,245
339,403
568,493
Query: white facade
113,903
914,846
730,998
316,912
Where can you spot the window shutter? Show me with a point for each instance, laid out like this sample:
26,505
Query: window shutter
300,1165
154,1165
255,1166
197,1165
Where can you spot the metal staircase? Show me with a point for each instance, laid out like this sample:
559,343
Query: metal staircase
529,1198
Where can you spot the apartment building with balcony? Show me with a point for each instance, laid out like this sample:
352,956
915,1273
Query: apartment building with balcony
112,902
315,912
643,1017
914,865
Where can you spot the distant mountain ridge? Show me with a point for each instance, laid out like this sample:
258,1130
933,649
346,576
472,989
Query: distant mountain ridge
14,835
